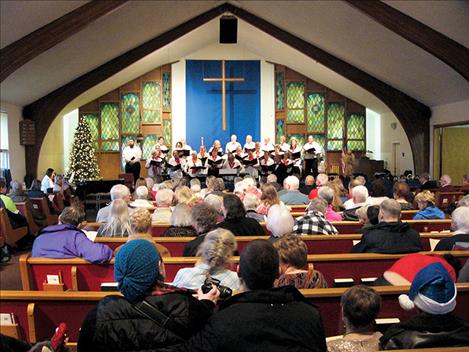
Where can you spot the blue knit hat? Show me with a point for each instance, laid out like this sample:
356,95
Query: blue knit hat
136,269
432,291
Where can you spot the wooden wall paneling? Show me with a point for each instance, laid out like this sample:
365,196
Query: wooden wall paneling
292,75
334,97
91,107
154,75
314,87
152,129
295,128
110,165
355,108
130,87
111,97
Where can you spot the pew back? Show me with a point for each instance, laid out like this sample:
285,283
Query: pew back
10,235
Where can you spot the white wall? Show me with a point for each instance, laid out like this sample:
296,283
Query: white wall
448,113
373,134
70,123
16,151
178,94
267,100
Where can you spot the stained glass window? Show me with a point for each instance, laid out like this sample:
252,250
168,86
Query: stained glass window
356,126
334,145
296,116
167,91
167,132
93,122
279,90
295,102
335,121
148,143
356,146
109,146
109,122
315,113
151,102
279,129
130,113
300,138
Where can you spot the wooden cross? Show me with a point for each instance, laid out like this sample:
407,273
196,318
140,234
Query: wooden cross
223,81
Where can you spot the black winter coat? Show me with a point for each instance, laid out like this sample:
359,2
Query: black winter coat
425,331
243,227
114,325
279,319
390,238
446,244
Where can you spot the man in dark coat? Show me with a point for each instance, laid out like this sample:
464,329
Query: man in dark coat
460,226
390,235
262,318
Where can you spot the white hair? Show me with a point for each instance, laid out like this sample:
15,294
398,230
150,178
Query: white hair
322,179
292,182
216,202
150,182
460,220
446,179
272,178
327,194
359,194
181,215
141,192
249,182
164,197
250,201
279,220
464,201
119,192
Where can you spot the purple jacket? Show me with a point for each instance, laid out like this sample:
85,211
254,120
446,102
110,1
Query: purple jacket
66,241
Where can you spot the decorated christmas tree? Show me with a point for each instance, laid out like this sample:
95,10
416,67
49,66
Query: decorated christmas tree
83,163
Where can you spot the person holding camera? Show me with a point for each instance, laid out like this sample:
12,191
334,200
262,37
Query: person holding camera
150,315
215,251
261,318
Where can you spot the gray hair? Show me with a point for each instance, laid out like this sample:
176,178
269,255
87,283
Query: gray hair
141,192
118,221
319,205
119,192
216,202
279,220
390,209
322,179
464,201
150,183
327,194
181,215
360,194
460,219
16,186
164,197
250,201
292,182
71,216
217,248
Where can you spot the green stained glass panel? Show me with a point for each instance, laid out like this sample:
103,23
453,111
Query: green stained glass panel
300,138
335,121
296,116
93,123
148,143
295,95
130,113
167,91
356,126
108,146
315,113
280,90
110,121
167,132
279,130
151,96
356,146
334,145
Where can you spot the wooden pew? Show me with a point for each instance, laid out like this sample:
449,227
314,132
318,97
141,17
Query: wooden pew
38,313
444,199
317,244
78,274
27,213
42,205
10,235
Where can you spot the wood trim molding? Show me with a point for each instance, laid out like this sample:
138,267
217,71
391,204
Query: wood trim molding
24,272
449,124
18,53
31,322
413,115
74,273
444,48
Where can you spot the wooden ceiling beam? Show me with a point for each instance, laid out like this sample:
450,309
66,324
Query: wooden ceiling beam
444,48
18,53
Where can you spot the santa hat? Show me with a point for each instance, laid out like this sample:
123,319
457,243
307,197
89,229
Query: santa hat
432,291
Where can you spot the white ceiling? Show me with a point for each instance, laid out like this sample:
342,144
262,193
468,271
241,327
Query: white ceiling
331,25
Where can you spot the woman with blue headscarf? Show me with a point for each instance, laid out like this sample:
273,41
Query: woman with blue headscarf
150,315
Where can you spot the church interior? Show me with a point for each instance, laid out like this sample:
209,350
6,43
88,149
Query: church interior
379,87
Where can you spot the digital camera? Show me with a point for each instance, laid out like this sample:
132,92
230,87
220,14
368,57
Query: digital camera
225,292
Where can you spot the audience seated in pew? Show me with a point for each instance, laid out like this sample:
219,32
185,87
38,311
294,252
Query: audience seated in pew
328,194
433,294
16,219
460,226
150,315
117,192
402,194
118,224
390,235
378,192
65,240
294,267
162,213
268,198
280,222
403,271
368,215
464,273
445,184
236,220
215,251
360,307
426,204
55,344
251,203
464,201
314,222
183,195
292,195
216,202
180,223
261,318
321,180
272,179
204,220
141,198
308,186
18,195
359,197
